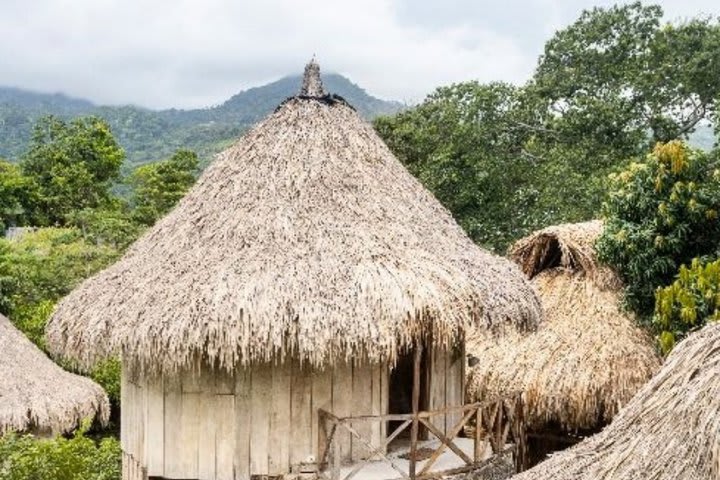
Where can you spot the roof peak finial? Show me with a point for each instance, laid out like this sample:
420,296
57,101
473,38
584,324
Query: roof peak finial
312,83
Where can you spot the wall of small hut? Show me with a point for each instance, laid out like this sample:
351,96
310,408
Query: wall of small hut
263,420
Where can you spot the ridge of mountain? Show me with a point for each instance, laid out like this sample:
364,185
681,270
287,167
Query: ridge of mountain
149,135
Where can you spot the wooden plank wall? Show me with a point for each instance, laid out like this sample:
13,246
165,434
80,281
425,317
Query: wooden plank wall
437,398
455,385
447,385
264,421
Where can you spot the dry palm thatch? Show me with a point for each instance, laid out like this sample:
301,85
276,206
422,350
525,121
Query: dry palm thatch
306,238
669,431
38,395
588,358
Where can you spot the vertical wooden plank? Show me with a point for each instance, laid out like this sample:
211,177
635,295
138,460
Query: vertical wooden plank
417,357
279,451
172,427
207,427
131,422
125,412
260,414
139,425
384,396
362,405
224,382
437,386
342,406
376,431
302,443
243,423
191,413
224,436
154,426
321,399
190,434
454,384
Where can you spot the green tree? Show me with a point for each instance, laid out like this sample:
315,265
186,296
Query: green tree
464,143
158,186
73,164
616,81
507,160
113,225
691,301
43,266
18,197
661,213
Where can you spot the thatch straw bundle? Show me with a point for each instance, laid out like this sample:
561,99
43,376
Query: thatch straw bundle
669,431
588,358
38,395
306,238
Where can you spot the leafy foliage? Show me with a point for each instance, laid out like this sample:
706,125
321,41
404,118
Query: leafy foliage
107,375
660,214
507,160
77,458
465,143
73,165
19,196
159,186
689,302
44,265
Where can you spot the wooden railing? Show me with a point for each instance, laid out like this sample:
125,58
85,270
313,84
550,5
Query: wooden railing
490,422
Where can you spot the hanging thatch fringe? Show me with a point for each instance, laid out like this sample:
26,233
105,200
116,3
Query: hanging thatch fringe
306,238
38,395
588,358
669,431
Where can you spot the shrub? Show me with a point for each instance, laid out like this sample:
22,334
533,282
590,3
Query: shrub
77,458
692,300
660,213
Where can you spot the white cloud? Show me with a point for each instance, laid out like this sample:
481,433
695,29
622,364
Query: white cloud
188,53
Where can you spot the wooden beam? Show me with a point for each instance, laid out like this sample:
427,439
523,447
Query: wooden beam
447,442
374,450
478,432
433,429
415,407
379,451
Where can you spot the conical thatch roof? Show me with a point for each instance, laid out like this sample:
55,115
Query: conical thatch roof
307,237
36,394
587,358
669,431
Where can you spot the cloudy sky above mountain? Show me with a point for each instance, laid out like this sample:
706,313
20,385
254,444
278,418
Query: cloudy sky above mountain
193,53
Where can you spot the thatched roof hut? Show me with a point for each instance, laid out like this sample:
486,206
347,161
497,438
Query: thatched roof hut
307,256
669,431
588,358
37,395
308,238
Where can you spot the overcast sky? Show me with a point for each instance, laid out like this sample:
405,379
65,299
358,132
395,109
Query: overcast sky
195,53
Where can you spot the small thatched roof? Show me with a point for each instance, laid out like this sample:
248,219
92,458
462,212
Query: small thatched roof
36,394
588,358
305,238
669,431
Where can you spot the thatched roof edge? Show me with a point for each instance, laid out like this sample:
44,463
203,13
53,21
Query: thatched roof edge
38,395
670,430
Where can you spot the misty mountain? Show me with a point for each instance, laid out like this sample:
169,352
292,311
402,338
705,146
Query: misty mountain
149,135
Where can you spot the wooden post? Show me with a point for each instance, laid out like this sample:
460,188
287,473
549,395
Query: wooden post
478,431
415,408
335,456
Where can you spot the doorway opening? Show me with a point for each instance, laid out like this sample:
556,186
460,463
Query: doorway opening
401,393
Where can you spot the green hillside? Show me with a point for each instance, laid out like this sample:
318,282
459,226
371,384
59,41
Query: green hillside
149,135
